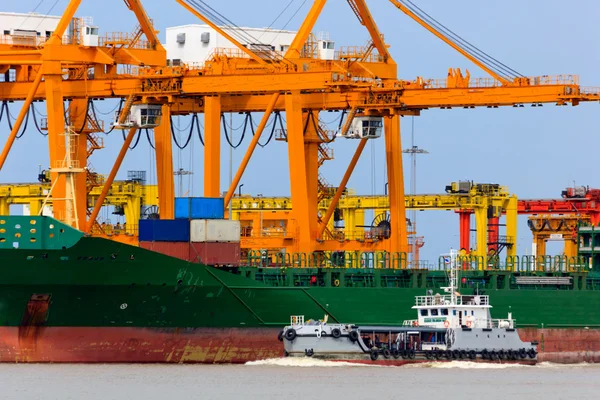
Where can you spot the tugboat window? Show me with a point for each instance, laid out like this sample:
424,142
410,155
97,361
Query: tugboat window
424,313
434,311
444,311
453,312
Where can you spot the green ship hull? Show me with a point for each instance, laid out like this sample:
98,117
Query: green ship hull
81,299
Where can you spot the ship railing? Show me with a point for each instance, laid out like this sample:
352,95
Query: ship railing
357,260
444,300
521,264
499,323
410,322
297,320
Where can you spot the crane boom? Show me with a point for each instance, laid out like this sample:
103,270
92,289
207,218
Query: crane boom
445,39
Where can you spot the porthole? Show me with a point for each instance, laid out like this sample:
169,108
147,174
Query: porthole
62,231
33,240
2,230
17,235
32,230
17,226
51,235
51,226
33,222
2,222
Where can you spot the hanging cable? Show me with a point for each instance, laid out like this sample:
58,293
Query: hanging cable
341,124
35,122
175,137
137,140
19,136
229,140
198,129
276,118
187,128
149,140
84,123
106,113
118,113
253,132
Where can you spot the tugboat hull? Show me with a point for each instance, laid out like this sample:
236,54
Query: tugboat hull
404,345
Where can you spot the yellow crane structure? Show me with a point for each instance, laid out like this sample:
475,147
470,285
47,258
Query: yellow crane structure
556,227
272,218
360,80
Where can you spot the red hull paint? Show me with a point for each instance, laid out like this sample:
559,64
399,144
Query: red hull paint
220,345
138,345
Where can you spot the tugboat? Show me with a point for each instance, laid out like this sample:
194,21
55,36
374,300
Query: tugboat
448,327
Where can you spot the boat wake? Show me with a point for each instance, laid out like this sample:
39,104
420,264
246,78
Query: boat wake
464,365
306,362
475,365
316,363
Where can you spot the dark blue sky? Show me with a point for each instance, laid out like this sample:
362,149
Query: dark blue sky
536,152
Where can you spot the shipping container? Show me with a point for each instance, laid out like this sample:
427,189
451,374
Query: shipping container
199,208
214,253
179,250
214,230
164,230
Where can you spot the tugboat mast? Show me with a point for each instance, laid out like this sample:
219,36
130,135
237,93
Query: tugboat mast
452,277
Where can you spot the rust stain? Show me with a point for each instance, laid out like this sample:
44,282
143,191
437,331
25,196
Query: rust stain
32,323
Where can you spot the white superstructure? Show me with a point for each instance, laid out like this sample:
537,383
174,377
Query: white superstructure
26,27
454,310
194,44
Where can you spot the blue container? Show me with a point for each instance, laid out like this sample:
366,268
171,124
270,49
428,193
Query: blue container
199,208
164,230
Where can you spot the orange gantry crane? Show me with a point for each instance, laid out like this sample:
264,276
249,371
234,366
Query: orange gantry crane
360,80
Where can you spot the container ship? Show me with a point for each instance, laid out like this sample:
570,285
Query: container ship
68,297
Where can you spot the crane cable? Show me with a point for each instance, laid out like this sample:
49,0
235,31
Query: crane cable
4,108
229,140
137,140
490,62
189,136
37,126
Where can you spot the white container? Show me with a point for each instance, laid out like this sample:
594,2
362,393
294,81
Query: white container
214,230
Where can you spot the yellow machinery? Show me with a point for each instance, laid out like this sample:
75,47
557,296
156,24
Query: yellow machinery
270,217
556,227
360,80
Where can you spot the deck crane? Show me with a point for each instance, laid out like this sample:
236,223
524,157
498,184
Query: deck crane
361,81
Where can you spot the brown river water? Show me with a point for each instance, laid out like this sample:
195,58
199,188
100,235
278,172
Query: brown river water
299,379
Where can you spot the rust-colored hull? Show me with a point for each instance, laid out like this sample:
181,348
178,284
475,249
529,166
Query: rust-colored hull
137,345
220,345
